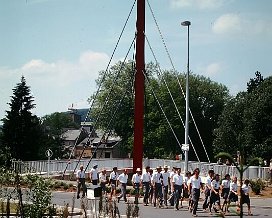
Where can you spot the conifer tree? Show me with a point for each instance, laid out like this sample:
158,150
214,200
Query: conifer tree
21,129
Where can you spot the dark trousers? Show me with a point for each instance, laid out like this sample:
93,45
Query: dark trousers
158,192
81,182
195,199
123,192
165,193
95,182
177,191
207,199
146,191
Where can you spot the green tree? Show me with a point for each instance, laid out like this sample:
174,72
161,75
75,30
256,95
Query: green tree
53,126
246,121
207,102
21,129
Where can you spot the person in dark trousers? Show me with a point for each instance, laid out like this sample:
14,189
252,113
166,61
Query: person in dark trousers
165,181
122,179
245,195
195,184
178,182
146,182
80,175
94,175
215,195
157,186
225,187
233,196
207,189
136,180
113,181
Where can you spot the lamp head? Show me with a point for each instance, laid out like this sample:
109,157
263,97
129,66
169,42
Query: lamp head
186,23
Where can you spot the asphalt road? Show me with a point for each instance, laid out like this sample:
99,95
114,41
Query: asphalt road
260,208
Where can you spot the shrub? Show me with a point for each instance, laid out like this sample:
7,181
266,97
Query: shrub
257,186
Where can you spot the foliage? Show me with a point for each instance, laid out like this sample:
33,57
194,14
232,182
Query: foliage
39,195
207,102
245,124
257,185
21,129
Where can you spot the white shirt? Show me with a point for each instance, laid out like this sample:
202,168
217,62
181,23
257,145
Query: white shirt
94,174
246,189
208,181
195,182
102,177
157,177
178,179
225,183
113,175
233,187
123,178
215,184
165,176
172,173
136,178
146,177
80,174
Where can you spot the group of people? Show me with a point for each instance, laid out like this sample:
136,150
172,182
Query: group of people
163,188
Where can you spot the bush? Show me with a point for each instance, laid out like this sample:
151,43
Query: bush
257,186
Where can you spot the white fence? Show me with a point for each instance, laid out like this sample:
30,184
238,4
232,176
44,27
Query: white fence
58,166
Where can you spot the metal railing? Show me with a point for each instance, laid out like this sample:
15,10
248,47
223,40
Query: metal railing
57,166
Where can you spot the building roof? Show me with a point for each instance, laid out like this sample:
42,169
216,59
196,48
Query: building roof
71,134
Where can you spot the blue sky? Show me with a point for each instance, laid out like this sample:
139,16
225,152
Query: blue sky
61,45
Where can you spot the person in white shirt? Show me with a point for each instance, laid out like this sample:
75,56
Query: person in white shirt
103,180
157,186
225,187
122,179
245,195
165,182
215,196
178,182
145,180
186,191
172,196
94,174
208,189
113,181
136,179
80,176
233,196
195,184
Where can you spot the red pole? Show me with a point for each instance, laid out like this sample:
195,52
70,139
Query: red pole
139,87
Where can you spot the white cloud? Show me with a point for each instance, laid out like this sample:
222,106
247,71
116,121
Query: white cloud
201,4
55,85
241,25
212,70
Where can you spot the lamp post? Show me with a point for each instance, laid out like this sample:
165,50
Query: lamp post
186,143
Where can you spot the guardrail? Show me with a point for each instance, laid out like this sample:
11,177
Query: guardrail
57,166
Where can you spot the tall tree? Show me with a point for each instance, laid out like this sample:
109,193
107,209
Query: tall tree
245,123
207,102
21,129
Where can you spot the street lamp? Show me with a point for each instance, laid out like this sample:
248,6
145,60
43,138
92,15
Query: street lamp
186,143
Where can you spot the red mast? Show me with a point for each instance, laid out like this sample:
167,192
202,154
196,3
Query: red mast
139,87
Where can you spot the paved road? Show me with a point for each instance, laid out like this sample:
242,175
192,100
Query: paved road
260,208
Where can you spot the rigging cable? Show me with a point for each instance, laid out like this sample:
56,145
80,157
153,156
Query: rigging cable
106,100
160,75
175,72
103,78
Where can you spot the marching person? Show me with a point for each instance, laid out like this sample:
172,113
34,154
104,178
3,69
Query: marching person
172,196
165,183
151,190
103,181
177,183
157,186
145,180
225,187
245,195
208,188
80,175
233,196
186,189
122,180
136,179
215,196
195,184
113,181
94,174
